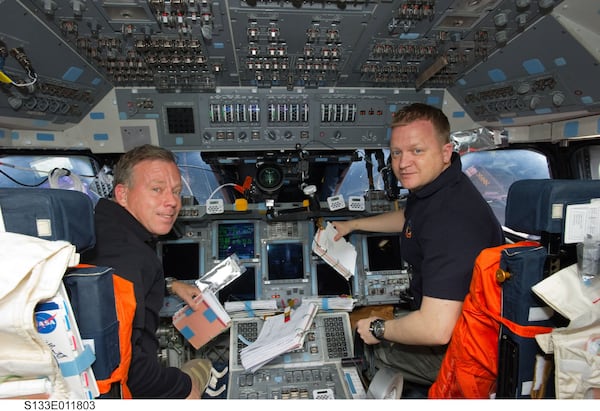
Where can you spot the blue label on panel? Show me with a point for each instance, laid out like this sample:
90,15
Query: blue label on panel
560,61
97,115
534,66
72,74
409,36
433,100
571,129
497,75
45,137
587,100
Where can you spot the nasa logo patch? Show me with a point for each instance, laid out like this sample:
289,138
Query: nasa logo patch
46,323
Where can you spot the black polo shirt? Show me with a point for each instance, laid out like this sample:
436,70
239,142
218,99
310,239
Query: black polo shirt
447,225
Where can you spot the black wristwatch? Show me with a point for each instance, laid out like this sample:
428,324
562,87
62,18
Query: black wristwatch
377,328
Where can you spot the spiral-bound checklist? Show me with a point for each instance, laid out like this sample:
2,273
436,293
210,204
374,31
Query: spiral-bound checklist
280,334
340,254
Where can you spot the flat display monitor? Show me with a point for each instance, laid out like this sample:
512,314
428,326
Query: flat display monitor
242,288
181,120
236,237
285,261
383,252
181,260
330,282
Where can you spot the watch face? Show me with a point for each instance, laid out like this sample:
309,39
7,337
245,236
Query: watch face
378,328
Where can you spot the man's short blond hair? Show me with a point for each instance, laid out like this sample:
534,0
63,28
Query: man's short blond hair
420,111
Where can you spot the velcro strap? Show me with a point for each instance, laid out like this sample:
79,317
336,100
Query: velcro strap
75,367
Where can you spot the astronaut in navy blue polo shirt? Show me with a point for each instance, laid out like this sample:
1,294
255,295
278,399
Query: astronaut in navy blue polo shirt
444,226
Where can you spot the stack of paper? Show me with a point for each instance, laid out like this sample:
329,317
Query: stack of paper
280,334
254,308
341,255
232,306
332,303
582,221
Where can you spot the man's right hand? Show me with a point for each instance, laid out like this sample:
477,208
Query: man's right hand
342,227
199,371
195,393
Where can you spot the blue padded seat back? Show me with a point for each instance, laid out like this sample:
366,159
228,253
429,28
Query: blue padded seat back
49,213
536,206
92,296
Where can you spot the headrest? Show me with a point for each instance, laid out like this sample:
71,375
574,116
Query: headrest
536,206
48,213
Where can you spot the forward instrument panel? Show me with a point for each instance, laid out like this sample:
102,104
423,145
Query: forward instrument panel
280,264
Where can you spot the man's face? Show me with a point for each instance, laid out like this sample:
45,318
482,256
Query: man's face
154,198
418,157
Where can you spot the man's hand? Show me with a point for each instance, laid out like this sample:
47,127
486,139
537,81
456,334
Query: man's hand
195,393
199,370
187,292
363,328
343,228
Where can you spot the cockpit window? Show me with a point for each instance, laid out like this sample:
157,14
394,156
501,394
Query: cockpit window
58,171
199,179
493,172
215,177
586,162
370,173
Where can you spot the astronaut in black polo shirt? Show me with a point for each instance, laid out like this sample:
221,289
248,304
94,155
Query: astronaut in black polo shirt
444,226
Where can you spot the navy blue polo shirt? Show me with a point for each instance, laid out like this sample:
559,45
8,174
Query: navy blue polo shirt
447,225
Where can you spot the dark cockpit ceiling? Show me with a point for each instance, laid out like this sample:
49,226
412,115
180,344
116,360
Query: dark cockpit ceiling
328,70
